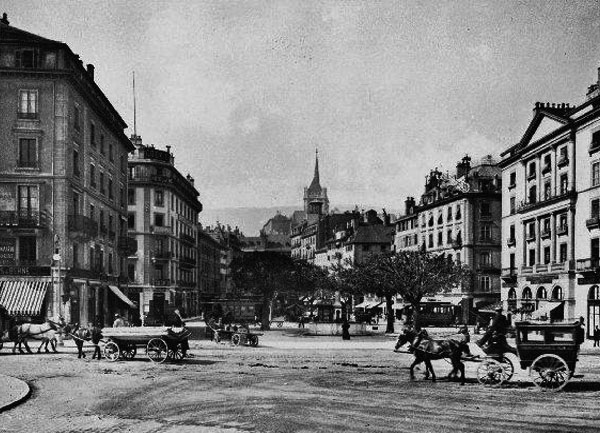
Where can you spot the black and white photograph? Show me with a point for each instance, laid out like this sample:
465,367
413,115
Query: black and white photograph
283,216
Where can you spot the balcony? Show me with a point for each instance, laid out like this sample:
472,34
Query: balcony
531,176
80,224
594,146
511,242
187,238
162,255
161,230
545,234
563,161
592,223
187,262
546,169
526,270
565,266
540,268
530,237
21,219
588,265
161,282
509,275
549,199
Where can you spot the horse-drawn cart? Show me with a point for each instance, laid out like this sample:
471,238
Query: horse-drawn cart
549,350
160,343
236,334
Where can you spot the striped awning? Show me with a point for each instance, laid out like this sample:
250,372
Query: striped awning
23,296
122,296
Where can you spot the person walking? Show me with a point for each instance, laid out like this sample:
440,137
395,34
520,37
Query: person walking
96,336
345,330
596,336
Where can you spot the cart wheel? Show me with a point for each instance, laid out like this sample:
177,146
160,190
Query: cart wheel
111,351
129,351
236,339
157,350
253,340
509,368
549,372
490,372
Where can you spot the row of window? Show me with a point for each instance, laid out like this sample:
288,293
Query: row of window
541,293
429,219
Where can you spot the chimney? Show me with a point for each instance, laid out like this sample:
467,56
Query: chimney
409,205
4,19
168,148
90,70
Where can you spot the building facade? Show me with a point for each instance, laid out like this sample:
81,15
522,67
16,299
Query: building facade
550,214
460,216
163,208
63,178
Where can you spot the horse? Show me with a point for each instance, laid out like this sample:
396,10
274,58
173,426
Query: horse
46,332
426,349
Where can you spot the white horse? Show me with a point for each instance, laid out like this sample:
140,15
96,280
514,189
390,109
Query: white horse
46,332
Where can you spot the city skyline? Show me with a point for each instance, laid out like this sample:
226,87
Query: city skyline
246,91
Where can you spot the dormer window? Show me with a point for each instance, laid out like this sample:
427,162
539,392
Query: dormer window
25,59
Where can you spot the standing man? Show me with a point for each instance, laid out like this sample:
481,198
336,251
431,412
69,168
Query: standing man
597,337
119,322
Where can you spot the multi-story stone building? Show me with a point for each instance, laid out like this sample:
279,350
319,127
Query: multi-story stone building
63,177
459,216
550,214
209,268
163,208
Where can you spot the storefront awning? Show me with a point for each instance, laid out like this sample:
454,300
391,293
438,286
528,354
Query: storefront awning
377,305
122,296
23,297
544,310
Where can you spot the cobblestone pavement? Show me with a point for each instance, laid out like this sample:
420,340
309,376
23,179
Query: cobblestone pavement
287,384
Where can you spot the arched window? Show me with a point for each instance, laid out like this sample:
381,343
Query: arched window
512,294
526,293
541,293
594,293
557,293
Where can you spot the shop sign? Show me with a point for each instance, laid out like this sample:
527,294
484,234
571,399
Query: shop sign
8,247
25,271
542,279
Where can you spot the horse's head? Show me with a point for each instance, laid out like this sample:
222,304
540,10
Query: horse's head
406,336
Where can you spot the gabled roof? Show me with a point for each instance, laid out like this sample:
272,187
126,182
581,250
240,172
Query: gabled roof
557,112
13,34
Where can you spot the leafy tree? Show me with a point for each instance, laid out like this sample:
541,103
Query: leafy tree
270,274
415,275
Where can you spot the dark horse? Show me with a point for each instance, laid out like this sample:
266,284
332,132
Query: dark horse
80,336
426,349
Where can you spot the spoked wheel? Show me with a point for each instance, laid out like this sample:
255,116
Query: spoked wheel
490,372
549,372
236,339
129,351
509,368
253,340
111,351
157,350
176,353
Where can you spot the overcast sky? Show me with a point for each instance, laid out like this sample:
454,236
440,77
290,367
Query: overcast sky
245,91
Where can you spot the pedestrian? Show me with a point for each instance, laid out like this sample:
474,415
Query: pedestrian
596,336
119,322
345,330
96,336
580,330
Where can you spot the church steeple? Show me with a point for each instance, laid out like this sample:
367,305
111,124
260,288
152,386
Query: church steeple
315,197
315,185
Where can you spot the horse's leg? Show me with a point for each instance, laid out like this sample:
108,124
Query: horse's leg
41,344
27,348
412,367
53,345
430,368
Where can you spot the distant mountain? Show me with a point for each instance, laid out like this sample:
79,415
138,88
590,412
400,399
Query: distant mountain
251,219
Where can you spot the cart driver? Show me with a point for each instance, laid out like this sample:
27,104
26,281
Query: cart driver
496,332
118,321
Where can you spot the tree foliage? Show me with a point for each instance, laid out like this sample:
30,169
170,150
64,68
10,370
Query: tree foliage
270,274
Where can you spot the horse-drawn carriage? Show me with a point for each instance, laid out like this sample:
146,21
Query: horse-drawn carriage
160,343
236,334
549,350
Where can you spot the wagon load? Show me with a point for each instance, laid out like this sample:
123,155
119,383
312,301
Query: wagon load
161,343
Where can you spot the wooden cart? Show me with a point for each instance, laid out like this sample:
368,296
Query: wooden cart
160,343
236,334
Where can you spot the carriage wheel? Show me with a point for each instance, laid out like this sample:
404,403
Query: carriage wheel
509,368
111,351
490,372
129,351
157,350
236,339
549,372
253,339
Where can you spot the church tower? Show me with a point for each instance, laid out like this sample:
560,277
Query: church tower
315,197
